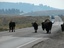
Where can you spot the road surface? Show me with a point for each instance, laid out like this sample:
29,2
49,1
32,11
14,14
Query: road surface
25,38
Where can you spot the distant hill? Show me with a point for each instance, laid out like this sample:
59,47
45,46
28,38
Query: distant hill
25,7
45,13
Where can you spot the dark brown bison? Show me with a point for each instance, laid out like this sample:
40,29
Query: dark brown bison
12,26
35,25
62,27
47,25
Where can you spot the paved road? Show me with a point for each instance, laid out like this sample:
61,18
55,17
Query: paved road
24,38
56,41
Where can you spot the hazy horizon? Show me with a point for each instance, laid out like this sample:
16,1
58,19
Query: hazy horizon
52,3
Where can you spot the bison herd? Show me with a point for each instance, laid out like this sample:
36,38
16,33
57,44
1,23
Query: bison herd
46,25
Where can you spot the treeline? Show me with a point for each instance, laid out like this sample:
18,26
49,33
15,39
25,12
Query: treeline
10,11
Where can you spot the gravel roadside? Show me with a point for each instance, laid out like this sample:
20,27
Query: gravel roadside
57,41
